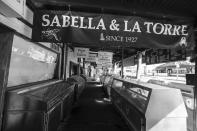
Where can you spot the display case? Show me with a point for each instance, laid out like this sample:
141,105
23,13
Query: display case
149,107
188,97
38,107
79,83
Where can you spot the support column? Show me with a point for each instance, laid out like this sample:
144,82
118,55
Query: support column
6,41
65,64
122,67
139,66
84,66
79,70
195,93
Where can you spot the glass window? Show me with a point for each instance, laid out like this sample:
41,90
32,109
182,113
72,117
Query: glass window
30,63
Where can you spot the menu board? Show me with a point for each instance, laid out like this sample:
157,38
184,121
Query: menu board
81,52
105,57
154,56
92,57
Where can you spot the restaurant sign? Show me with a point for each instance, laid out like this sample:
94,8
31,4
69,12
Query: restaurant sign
105,57
92,57
81,52
103,29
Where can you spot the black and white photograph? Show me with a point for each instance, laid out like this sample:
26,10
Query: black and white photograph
98,65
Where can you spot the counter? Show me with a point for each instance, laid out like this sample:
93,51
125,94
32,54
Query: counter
79,82
149,107
39,107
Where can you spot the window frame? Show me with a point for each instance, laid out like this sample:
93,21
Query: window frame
57,72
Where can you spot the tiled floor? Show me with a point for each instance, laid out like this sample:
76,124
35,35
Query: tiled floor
94,113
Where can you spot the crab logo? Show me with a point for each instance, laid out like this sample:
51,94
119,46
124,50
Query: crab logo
183,42
50,34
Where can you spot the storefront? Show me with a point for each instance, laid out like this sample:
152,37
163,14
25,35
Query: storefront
37,47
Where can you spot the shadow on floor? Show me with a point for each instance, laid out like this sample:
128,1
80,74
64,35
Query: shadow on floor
94,113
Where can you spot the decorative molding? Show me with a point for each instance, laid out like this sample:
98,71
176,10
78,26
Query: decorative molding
16,25
12,8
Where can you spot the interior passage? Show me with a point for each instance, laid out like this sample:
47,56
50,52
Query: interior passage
94,113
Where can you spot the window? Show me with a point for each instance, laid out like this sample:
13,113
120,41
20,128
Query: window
30,63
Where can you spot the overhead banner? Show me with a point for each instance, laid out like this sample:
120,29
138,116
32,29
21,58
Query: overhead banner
81,52
103,29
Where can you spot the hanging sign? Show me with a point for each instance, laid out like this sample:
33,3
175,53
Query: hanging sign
101,30
81,52
105,57
108,65
99,66
92,57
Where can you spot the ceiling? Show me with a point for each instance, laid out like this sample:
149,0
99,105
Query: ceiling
166,9
163,8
